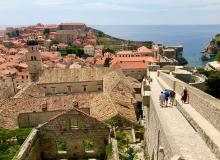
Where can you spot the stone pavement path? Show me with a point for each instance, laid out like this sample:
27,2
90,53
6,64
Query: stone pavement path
183,136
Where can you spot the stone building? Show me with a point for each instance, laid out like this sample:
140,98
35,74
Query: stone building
71,26
71,134
89,49
69,32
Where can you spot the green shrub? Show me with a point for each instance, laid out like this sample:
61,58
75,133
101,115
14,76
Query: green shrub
10,142
217,57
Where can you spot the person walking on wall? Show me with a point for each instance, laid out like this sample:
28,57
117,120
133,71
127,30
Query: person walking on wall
172,97
161,99
185,95
167,95
149,80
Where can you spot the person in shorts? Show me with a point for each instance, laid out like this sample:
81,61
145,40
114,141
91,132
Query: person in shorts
161,99
166,95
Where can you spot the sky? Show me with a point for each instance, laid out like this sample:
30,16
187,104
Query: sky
110,12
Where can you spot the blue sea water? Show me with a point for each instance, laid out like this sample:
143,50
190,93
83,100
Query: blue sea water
194,38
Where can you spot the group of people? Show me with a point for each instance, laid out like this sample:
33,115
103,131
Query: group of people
167,95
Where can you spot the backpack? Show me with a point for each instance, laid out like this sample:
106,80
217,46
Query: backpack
167,94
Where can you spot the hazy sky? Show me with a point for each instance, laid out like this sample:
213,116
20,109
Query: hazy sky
93,12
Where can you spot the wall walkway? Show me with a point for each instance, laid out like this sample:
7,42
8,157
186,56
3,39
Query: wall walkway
177,137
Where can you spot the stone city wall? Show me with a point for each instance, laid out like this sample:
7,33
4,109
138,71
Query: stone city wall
203,103
158,143
30,149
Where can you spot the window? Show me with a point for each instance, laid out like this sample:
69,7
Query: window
35,58
32,58
88,146
53,89
99,87
61,147
73,123
69,88
22,77
84,88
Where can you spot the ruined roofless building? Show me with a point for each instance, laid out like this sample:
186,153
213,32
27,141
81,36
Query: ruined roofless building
34,60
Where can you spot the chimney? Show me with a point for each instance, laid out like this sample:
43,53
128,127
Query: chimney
44,107
131,100
75,104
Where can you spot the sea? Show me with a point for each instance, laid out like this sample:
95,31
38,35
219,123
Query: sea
194,38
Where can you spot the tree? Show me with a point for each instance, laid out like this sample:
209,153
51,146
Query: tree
131,154
109,50
107,62
74,50
213,84
46,31
55,41
217,58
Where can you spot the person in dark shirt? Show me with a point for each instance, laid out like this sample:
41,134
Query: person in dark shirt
172,97
185,96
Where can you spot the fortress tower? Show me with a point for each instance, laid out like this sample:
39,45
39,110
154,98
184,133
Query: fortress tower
34,60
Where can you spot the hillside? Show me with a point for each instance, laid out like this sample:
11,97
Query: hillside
119,44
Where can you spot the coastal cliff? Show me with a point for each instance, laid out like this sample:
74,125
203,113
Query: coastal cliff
213,48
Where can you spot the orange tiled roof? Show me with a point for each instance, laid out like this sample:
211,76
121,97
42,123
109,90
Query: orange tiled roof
144,49
133,59
130,65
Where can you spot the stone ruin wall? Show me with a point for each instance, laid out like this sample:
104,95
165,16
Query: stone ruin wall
35,118
30,149
74,138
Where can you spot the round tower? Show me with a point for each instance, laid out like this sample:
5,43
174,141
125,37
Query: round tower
34,60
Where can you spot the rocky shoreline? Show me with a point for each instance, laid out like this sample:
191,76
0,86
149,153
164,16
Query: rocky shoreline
212,49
